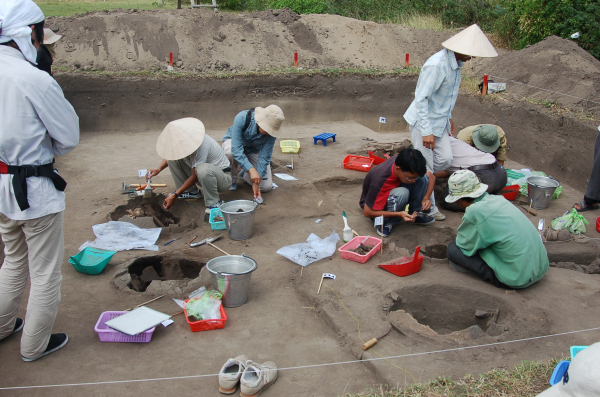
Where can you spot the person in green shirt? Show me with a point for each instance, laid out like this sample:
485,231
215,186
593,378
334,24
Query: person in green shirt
496,241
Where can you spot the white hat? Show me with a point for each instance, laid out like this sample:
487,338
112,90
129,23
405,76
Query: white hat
17,16
269,118
583,378
180,138
464,183
50,37
471,41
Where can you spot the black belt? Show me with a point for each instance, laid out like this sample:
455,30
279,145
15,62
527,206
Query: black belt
227,169
22,172
496,164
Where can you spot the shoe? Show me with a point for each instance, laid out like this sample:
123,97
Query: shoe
18,325
424,219
230,374
438,216
233,186
57,341
241,174
191,195
215,205
385,231
458,267
259,200
257,377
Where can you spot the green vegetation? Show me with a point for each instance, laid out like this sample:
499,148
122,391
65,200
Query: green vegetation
526,379
74,7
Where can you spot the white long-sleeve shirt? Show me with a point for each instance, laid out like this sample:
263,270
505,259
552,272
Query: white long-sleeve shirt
36,123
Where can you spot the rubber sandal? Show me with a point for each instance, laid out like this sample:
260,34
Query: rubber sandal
586,207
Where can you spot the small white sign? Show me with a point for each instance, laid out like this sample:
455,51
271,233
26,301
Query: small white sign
382,120
168,322
142,173
329,275
379,221
286,177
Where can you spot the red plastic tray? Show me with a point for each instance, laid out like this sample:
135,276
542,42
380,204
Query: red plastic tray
513,192
376,159
358,163
206,325
355,242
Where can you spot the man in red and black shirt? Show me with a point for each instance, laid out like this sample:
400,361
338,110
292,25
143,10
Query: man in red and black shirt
389,187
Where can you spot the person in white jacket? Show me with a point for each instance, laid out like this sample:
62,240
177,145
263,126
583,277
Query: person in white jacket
36,124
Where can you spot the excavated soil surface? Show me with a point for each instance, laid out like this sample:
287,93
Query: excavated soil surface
146,269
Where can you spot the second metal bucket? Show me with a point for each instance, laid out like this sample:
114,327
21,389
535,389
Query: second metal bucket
540,190
240,224
231,277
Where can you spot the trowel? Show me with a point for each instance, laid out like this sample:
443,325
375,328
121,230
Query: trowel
206,241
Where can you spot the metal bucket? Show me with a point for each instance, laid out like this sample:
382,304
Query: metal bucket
540,190
240,225
231,277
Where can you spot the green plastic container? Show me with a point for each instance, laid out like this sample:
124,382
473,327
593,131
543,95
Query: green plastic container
91,260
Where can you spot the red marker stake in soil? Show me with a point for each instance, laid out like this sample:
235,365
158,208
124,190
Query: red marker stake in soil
296,60
170,59
485,84
407,60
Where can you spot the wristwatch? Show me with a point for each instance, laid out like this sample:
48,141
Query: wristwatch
175,193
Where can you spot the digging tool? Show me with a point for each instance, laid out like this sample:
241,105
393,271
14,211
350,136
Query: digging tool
206,241
195,237
136,185
371,342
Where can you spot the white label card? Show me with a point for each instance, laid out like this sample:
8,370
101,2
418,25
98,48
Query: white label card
329,275
379,221
382,120
142,173
168,322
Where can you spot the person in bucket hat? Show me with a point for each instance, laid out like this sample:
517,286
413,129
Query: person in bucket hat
495,241
488,138
429,116
249,143
193,157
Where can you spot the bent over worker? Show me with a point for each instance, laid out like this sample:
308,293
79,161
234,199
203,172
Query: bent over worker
429,116
192,156
495,240
249,142
36,124
488,138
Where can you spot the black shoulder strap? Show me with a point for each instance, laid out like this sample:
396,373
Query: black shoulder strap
248,118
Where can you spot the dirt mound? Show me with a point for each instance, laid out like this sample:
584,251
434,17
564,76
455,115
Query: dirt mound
206,41
553,64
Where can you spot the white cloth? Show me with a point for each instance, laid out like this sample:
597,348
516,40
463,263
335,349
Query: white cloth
465,155
210,152
16,17
36,123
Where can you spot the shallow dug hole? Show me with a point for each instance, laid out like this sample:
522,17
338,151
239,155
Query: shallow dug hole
447,309
144,211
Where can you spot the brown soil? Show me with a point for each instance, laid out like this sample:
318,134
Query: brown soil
149,268
363,249
240,210
218,219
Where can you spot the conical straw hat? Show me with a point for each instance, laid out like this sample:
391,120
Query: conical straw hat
180,138
471,41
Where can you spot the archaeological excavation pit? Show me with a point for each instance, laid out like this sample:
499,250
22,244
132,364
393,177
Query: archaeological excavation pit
144,213
447,310
157,269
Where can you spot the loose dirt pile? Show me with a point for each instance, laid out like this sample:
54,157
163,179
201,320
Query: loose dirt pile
553,64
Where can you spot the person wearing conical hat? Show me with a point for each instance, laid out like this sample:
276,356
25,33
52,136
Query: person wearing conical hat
430,114
249,143
192,157
495,240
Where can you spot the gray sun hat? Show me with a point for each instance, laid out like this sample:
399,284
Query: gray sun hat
464,183
485,138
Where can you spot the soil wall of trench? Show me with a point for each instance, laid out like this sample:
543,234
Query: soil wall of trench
560,145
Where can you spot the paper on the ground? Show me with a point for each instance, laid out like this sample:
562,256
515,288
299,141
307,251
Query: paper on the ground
379,221
142,173
286,177
313,250
123,236
167,323
137,321
329,275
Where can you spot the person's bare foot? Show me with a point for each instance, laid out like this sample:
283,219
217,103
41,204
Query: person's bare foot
585,206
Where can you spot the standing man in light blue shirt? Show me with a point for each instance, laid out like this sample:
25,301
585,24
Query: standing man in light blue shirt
249,142
430,114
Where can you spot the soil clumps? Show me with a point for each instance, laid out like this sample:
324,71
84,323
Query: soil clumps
363,249
147,269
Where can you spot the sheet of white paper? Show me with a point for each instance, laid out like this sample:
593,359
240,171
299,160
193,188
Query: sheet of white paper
142,173
167,323
286,177
137,321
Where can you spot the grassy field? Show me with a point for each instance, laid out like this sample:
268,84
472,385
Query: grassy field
73,7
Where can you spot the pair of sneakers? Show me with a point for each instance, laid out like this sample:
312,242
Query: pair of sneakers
57,341
252,377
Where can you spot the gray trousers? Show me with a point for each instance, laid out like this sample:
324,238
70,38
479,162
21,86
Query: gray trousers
475,264
592,193
495,179
34,250
212,179
267,181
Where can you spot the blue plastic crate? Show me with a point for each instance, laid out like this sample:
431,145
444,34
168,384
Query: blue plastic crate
216,225
324,137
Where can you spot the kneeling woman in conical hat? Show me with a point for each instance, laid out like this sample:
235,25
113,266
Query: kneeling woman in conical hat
193,157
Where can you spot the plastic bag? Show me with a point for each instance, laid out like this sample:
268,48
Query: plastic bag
313,250
572,221
121,236
207,307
